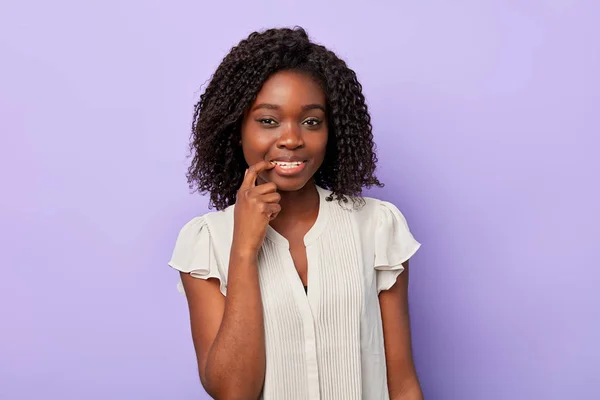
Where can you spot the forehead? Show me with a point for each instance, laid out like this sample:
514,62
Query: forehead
291,88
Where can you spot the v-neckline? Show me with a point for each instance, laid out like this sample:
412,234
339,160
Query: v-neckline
313,233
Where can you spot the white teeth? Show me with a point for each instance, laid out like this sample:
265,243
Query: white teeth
284,164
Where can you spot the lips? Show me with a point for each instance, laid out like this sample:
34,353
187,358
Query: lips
288,166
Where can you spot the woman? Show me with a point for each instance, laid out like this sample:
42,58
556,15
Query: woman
295,285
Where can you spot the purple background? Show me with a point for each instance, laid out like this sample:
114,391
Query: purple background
486,114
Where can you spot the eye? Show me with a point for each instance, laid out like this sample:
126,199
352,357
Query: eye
267,121
313,122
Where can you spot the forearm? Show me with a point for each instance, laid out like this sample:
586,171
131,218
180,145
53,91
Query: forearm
235,364
410,390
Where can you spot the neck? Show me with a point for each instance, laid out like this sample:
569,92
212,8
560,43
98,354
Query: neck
300,203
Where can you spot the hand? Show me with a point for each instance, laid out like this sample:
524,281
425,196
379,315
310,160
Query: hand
255,207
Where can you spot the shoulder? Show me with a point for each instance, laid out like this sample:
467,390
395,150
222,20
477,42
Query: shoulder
209,218
366,210
200,246
384,221
219,218
376,210
214,224
203,235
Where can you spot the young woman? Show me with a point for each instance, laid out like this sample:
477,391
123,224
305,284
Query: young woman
297,285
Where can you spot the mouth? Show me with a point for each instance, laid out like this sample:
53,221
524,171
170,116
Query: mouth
287,168
288,164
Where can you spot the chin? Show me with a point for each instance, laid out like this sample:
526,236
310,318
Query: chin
288,184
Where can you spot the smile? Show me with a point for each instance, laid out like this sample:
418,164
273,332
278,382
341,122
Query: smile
288,164
288,168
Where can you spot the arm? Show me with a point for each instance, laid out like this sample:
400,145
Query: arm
403,383
228,332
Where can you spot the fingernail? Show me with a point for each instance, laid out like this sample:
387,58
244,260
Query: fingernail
246,173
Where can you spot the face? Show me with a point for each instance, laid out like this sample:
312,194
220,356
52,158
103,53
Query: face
286,125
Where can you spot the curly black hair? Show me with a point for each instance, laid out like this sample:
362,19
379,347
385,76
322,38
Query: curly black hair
218,162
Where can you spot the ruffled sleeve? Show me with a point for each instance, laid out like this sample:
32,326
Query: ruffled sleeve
194,253
394,244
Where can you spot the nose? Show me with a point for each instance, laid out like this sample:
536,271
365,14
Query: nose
291,137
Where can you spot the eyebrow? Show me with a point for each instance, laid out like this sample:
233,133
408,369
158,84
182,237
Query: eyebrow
276,107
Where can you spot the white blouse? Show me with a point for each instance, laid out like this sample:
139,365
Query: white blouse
326,344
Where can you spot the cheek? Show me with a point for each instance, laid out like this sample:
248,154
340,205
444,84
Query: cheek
255,146
319,144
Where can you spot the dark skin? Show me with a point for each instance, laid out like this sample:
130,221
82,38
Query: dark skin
284,137
288,121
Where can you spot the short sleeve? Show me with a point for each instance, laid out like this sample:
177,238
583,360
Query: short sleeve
394,245
194,253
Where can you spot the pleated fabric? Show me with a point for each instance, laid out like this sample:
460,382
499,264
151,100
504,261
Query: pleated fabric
326,344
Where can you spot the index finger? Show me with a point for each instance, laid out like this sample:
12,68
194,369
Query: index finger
253,171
